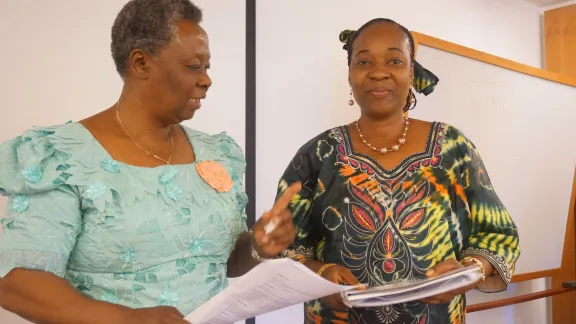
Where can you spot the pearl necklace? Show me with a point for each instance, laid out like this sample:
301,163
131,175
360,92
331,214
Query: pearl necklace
383,150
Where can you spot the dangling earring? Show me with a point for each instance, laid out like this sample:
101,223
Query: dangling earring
411,101
411,97
351,101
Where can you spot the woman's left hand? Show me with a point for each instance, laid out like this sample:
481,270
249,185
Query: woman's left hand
271,244
440,268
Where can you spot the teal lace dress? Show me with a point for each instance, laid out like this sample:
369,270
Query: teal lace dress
135,236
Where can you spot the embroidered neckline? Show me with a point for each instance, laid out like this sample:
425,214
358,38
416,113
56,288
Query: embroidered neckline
431,149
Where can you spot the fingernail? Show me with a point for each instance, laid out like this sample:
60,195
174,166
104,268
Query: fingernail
430,272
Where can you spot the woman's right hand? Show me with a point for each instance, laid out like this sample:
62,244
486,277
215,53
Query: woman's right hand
342,276
155,315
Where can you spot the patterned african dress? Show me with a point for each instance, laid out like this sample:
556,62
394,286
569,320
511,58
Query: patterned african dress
391,225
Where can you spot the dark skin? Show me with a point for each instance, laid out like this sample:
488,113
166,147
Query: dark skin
160,91
380,76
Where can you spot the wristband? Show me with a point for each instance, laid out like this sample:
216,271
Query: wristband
324,268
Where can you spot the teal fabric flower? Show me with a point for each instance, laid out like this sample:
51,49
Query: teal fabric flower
95,191
32,173
173,191
168,175
197,246
20,203
110,165
127,254
168,298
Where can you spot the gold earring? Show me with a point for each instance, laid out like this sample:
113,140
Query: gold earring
411,96
351,101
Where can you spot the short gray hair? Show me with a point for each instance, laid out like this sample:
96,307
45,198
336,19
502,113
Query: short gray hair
148,25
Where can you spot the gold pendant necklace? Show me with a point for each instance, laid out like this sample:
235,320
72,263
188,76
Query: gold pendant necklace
383,150
138,145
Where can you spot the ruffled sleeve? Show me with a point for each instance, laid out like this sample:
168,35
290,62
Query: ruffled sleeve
236,165
492,233
43,215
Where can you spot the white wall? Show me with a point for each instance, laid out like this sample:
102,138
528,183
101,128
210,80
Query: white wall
302,81
67,74
57,67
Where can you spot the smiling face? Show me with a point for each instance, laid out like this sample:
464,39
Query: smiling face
176,78
381,69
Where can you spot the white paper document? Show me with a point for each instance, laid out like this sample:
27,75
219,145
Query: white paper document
272,285
410,290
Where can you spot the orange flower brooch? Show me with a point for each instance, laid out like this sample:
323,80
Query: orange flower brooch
215,175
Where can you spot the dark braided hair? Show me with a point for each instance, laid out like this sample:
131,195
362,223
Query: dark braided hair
349,36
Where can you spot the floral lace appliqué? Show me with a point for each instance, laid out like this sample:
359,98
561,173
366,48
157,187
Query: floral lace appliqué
168,175
32,173
95,191
110,165
197,246
20,203
174,191
127,254
168,298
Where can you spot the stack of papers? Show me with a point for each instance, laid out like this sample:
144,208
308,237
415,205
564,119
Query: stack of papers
276,284
272,285
410,290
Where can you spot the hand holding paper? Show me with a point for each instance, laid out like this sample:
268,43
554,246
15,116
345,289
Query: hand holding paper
272,285
274,232
342,276
441,268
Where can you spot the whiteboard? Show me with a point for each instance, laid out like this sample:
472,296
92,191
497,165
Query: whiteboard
530,160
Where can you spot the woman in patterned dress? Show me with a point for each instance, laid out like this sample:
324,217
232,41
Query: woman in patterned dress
389,198
128,216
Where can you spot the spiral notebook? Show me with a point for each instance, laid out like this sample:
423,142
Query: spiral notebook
410,290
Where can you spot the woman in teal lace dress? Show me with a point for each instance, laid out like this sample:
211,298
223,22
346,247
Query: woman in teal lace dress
126,216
